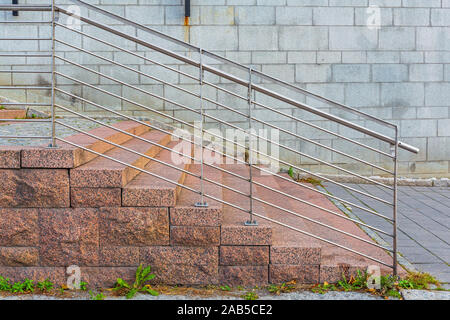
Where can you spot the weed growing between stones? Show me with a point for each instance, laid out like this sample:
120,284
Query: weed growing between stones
143,275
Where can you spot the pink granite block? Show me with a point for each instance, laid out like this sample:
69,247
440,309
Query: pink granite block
119,256
246,235
334,273
243,275
182,265
10,157
18,256
19,227
295,255
194,236
57,275
303,274
95,197
134,226
193,216
42,157
142,196
34,188
244,255
69,236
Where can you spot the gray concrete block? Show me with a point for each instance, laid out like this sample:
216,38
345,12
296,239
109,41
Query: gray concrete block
255,15
402,94
362,16
313,73
436,38
389,72
206,37
437,94
217,15
256,38
383,57
303,38
440,17
422,3
362,94
444,128
284,72
385,3
148,15
301,57
293,16
418,128
354,57
323,16
432,112
351,73
426,72
412,57
348,3
397,38
411,17
437,57
447,73
329,57
302,3
353,38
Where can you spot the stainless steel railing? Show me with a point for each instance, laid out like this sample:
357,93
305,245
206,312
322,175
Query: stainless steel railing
252,85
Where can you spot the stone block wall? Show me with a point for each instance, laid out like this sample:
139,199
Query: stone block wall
399,72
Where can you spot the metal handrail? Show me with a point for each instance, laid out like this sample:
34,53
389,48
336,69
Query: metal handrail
252,87
229,76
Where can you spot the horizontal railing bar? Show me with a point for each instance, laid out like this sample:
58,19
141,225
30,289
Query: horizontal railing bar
322,145
323,99
321,239
134,24
24,71
150,158
151,142
323,193
126,67
33,7
31,55
162,113
220,58
25,39
25,104
156,128
124,99
288,132
24,88
225,90
25,137
24,120
322,224
323,129
27,22
320,208
129,52
329,180
245,83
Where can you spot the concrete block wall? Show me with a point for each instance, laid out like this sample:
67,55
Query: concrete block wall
399,72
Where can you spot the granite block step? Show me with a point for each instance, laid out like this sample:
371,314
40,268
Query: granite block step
146,190
105,173
67,156
234,231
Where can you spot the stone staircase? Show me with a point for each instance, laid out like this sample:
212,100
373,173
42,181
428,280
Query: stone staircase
68,206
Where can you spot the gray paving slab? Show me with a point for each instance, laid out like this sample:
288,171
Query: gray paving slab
423,222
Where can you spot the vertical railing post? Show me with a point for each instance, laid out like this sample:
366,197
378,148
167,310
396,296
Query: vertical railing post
251,221
394,247
202,202
53,143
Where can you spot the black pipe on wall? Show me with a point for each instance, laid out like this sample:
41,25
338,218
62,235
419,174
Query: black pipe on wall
15,13
187,8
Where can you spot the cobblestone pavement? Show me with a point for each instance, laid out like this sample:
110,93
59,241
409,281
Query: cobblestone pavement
423,222
43,129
